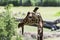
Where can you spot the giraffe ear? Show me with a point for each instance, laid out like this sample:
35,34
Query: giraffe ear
36,8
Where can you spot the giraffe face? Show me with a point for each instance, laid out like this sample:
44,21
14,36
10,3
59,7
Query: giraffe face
32,18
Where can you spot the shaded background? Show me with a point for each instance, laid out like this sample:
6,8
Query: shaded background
31,2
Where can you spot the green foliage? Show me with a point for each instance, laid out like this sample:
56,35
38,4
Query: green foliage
58,2
31,2
38,2
3,2
50,3
14,2
19,37
7,24
26,3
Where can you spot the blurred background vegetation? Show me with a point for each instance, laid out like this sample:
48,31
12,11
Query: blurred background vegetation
31,2
8,25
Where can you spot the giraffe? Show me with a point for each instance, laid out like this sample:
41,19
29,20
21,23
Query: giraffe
31,19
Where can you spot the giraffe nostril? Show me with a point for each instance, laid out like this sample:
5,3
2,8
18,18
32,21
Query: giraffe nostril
30,16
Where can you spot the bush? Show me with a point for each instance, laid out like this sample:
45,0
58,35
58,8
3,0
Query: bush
7,24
